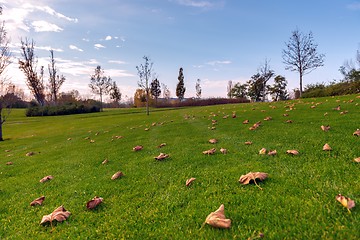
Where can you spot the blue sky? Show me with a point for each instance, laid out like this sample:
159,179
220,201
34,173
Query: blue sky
213,40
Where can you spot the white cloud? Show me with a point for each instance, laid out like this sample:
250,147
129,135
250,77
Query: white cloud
86,40
195,3
48,48
108,38
43,26
213,63
98,46
116,62
73,47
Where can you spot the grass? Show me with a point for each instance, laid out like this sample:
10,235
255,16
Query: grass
152,202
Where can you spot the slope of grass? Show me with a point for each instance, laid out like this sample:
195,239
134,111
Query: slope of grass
152,202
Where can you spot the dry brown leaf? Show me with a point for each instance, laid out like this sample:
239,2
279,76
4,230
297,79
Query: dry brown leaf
252,176
325,128
272,152
161,145
217,219
292,152
210,151
357,133
246,121
285,115
69,139
9,163
223,150
268,118
262,151
105,162
289,121
59,214
30,154
213,141
234,115
117,175
327,147
137,148
92,141
38,201
47,178
337,108
189,181
248,143
357,159
345,201
94,202
162,156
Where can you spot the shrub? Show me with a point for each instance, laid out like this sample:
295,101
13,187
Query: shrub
66,109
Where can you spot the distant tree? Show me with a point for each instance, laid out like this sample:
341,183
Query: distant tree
180,88
278,89
166,91
55,81
198,89
140,97
229,89
239,90
350,71
301,55
115,93
28,65
100,84
155,89
145,73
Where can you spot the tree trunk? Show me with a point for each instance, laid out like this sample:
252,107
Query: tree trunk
301,87
1,123
101,106
147,101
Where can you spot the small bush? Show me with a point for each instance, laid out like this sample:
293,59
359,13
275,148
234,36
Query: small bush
200,102
67,109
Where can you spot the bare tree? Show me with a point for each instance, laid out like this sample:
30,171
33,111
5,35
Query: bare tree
198,89
145,73
55,81
166,91
301,55
100,84
28,65
5,56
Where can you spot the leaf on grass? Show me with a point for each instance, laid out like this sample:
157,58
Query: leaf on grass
38,201
213,141
117,175
223,150
69,139
162,156
292,152
47,178
234,115
325,128
189,181
248,143
9,163
289,121
252,176
94,202
345,201
285,115
357,133
262,151
272,152
137,148
30,154
161,145
92,141
357,159
246,121
217,219
105,162
210,151
59,214
327,147
268,118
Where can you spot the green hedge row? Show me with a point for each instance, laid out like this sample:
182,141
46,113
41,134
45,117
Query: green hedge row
60,110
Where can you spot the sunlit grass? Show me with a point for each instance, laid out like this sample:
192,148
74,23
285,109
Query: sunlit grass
151,200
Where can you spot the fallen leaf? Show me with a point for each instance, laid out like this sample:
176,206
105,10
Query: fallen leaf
162,145
337,108
137,148
161,156
357,133
285,115
117,175
69,139
268,118
105,162
30,154
289,121
94,202
248,143
189,181
327,147
357,159
223,150
325,128
47,178
213,141
344,112
272,153
7,150
210,151
37,201
246,121
217,219
9,163
59,214
345,201
234,115
252,176
262,151
92,141
292,152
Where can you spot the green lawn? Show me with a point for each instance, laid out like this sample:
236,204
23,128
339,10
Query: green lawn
151,200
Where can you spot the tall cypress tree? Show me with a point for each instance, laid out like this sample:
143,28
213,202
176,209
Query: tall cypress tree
180,88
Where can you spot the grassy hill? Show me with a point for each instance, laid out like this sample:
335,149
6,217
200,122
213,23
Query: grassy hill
151,200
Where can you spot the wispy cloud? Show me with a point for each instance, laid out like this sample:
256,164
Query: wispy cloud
48,48
108,38
354,6
86,40
98,46
43,26
194,3
116,62
73,47
217,62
